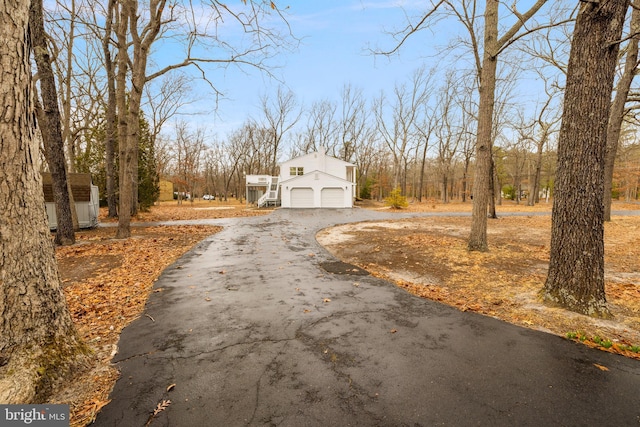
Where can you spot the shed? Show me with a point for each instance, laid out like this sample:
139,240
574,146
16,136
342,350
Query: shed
166,190
85,195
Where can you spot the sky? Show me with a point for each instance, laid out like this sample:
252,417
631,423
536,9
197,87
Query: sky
336,42
335,49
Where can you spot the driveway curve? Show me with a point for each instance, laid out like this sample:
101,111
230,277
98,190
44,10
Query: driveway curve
259,325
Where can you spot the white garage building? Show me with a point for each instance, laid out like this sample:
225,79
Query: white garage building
313,180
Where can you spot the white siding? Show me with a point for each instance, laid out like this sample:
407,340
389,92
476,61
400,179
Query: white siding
336,168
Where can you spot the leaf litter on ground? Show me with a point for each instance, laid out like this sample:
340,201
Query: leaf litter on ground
108,281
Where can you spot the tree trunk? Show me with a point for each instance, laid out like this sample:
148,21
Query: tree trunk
465,175
423,161
133,121
495,192
38,342
66,106
49,120
576,267
110,119
533,195
125,182
617,110
482,174
445,197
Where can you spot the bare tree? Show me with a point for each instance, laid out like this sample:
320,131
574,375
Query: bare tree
367,151
468,129
352,126
545,123
110,113
321,128
448,136
148,24
126,152
486,61
576,266
517,153
49,120
627,171
487,69
397,127
39,346
168,99
236,155
424,132
618,107
280,116
188,153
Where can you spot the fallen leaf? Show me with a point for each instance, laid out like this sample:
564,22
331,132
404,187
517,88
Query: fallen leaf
221,272
306,310
326,300
393,331
602,368
159,408
171,387
207,299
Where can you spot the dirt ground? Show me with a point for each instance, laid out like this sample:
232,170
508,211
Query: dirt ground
429,258
107,281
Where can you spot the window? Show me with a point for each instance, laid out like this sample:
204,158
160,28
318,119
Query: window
293,171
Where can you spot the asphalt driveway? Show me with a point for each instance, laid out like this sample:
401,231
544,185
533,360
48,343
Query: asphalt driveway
249,328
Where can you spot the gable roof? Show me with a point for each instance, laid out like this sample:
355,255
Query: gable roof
315,154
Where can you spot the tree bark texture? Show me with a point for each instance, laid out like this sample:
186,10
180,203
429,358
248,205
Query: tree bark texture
487,88
36,330
482,173
125,181
128,138
110,119
617,114
69,147
49,121
576,267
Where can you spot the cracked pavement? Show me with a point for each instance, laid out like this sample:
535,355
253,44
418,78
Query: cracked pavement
253,331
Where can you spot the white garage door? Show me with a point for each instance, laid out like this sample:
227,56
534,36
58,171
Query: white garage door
302,198
332,198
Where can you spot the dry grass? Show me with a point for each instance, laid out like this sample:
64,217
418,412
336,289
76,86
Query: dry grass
106,288
429,258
